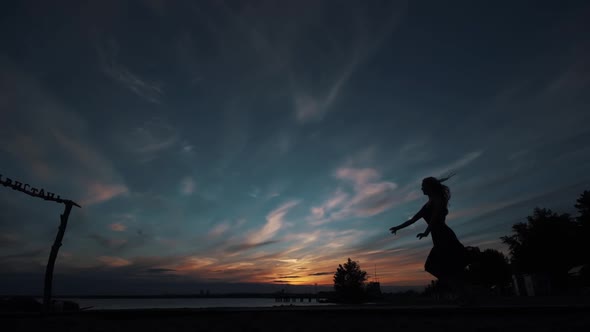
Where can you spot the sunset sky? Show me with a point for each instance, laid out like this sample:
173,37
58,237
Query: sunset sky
250,145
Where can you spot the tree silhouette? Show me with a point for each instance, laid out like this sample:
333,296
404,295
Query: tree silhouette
583,219
349,281
547,244
490,269
583,206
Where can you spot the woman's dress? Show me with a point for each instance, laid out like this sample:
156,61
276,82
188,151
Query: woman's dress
448,256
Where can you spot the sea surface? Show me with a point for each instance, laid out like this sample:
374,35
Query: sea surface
167,303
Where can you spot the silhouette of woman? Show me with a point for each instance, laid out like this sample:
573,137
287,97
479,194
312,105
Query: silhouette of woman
448,256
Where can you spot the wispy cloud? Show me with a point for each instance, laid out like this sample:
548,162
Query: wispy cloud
309,108
374,198
150,139
117,227
360,177
61,152
110,243
9,240
337,199
365,38
480,209
416,150
100,184
195,263
275,220
458,164
111,66
250,245
220,229
465,160
362,158
30,151
254,192
100,192
370,196
112,261
31,259
187,185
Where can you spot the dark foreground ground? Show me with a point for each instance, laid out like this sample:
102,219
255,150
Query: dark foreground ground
574,317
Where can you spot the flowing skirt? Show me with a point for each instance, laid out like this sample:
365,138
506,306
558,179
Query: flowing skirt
448,257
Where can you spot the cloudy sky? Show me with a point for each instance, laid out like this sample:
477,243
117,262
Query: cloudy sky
255,143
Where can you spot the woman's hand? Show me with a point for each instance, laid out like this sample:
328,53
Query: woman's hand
421,235
394,229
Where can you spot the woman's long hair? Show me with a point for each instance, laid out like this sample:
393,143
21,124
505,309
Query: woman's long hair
438,188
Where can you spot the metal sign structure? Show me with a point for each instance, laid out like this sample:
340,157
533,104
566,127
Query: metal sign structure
48,196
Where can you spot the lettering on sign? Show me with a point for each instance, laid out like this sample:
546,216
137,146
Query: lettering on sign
28,189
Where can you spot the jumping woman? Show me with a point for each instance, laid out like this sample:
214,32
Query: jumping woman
448,256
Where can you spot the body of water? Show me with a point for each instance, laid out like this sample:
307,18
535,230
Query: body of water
162,303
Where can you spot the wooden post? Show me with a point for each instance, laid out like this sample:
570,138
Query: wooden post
53,256
48,196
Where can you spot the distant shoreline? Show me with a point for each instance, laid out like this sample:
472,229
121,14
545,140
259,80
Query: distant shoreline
177,296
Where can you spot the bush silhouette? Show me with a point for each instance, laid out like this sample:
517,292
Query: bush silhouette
551,244
349,282
491,270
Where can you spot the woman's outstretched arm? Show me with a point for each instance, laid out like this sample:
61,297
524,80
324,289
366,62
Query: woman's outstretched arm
412,220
